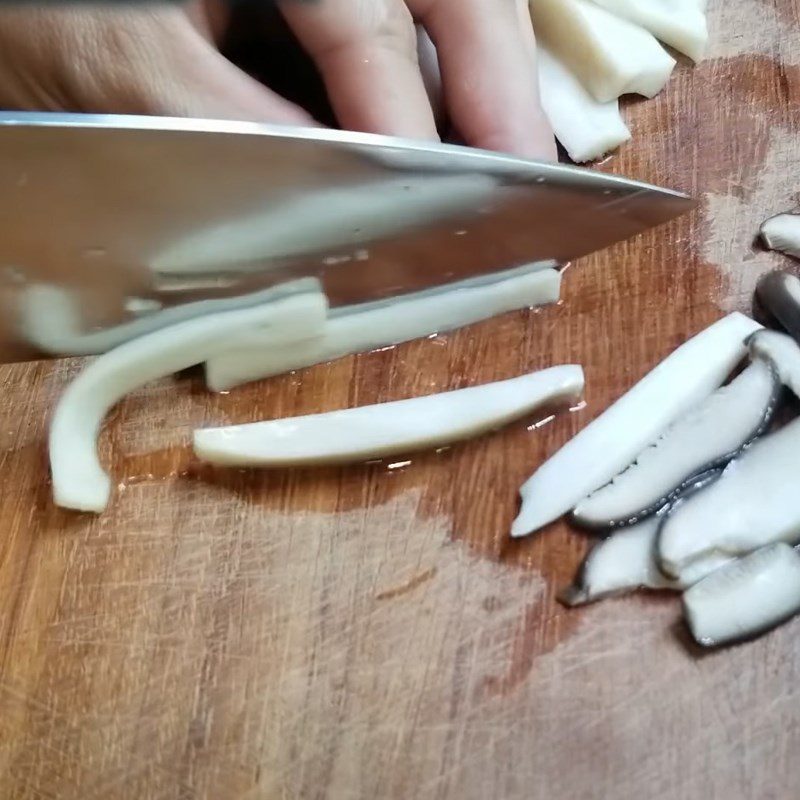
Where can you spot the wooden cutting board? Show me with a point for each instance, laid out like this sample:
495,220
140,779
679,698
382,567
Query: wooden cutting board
371,632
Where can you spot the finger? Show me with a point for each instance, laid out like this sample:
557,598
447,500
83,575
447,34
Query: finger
431,75
187,76
210,17
142,61
366,52
487,57
202,83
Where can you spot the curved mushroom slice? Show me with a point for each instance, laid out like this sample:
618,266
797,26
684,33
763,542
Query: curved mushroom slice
382,325
79,481
621,563
782,233
754,503
50,316
586,128
746,598
610,56
783,351
679,23
709,436
626,561
779,293
612,441
369,432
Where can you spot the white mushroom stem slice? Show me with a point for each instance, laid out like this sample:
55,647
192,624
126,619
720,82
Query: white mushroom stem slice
626,561
708,436
613,440
782,233
610,56
748,597
754,503
79,481
779,293
783,351
382,325
404,426
621,563
679,23
51,316
586,128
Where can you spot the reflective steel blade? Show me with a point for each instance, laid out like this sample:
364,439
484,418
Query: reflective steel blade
120,224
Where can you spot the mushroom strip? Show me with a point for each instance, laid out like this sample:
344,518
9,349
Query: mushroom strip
710,435
613,440
782,233
754,503
779,293
368,432
783,351
79,481
679,23
626,561
586,128
621,563
608,54
50,317
745,598
383,324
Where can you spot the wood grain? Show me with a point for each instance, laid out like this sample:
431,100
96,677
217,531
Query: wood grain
372,632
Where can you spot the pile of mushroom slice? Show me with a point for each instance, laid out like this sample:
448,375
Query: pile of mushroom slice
708,505
782,233
280,330
592,52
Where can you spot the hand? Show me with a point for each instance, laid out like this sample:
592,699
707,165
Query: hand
162,59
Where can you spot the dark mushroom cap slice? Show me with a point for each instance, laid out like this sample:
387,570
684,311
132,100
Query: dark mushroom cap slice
707,437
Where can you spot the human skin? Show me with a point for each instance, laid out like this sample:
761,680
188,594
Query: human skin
162,59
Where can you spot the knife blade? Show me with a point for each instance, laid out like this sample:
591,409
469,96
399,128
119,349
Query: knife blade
124,223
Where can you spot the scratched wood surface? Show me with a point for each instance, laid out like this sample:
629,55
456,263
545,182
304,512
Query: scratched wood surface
371,632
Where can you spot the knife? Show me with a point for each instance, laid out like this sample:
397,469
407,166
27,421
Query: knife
115,225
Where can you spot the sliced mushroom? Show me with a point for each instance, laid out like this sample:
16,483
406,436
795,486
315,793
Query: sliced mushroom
679,23
384,324
79,480
626,561
699,569
609,55
586,128
708,436
782,233
779,293
51,317
621,563
612,441
754,503
745,598
369,432
783,351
